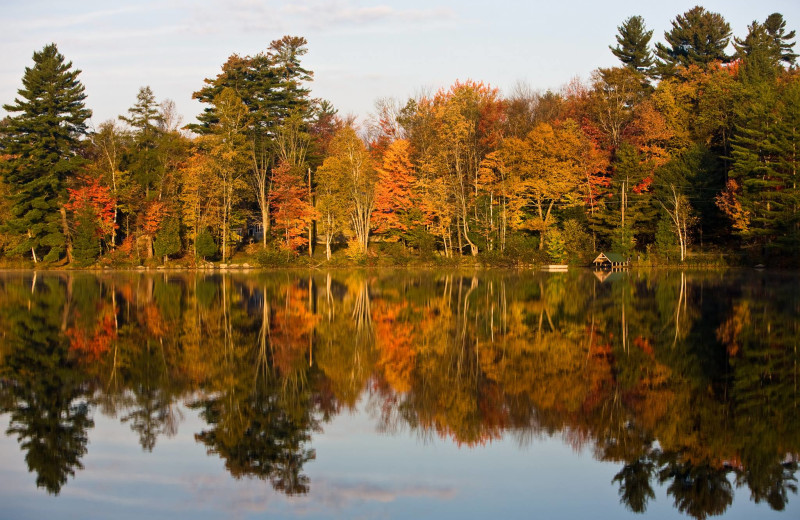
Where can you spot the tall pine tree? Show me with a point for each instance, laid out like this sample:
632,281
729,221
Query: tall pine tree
145,119
698,37
633,45
42,140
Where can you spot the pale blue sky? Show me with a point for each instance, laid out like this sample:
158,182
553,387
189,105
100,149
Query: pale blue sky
358,50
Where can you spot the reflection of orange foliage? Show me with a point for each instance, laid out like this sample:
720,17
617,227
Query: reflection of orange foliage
292,325
89,346
394,340
644,344
154,321
729,332
600,375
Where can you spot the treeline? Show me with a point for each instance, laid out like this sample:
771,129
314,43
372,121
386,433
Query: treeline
682,147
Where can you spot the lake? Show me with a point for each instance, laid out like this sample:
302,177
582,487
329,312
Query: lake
399,394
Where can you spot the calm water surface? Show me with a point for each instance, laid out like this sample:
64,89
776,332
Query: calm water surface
399,395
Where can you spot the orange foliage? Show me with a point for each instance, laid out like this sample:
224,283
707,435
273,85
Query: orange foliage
394,340
644,344
293,213
91,345
291,328
154,214
393,191
92,195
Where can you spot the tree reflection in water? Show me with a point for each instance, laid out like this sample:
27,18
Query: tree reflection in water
686,380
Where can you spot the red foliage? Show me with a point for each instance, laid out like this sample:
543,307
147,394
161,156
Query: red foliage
93,195
293,212
155,213
91,345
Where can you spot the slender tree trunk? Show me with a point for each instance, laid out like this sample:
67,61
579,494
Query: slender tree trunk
310,222
65,229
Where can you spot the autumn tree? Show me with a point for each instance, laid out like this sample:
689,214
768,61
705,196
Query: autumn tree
199,200
554,170
461,126
349,176
109,143
615,95
42,142
292,209
92,206
394,192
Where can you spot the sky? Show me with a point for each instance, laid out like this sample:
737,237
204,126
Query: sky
360,51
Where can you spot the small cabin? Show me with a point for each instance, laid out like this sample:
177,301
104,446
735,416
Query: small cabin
611,261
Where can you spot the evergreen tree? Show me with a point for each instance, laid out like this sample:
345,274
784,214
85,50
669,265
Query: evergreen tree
698,37
271,87
764,165
764,49
776,28
43,392
633,45
42,141
204,245
145,120
86,244
168,239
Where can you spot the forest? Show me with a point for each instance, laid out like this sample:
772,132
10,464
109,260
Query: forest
684,152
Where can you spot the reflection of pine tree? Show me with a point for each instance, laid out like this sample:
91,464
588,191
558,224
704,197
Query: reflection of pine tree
634,484
260,414
258,434
44,393
698,490
762,335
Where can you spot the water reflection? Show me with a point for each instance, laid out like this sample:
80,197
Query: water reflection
686,381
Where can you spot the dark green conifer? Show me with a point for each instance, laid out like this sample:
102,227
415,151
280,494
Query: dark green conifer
633,45
204,245
86,245
145,119
42,138
776,28
698,37
168,238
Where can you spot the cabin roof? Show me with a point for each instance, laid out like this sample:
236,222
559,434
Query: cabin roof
614,258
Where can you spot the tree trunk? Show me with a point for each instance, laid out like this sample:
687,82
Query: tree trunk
65,229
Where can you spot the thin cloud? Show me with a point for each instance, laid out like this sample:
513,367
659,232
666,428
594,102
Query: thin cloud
251,15
55,22
327,15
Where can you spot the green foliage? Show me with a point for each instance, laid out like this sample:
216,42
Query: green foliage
764,165
86,243
523,249
42,141
665,243
577,242
556,248
143,159
272,257
168,238
205,245
633,45
697,37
